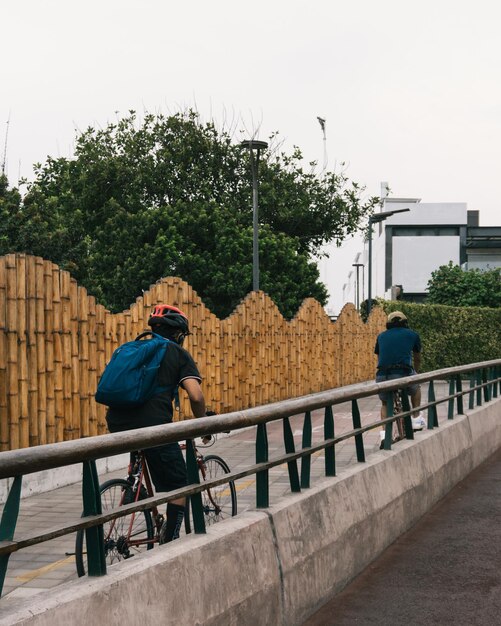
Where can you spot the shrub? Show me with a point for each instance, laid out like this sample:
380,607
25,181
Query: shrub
452,336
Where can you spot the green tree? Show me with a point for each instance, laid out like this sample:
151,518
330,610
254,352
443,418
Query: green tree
172,196
453,286
10,203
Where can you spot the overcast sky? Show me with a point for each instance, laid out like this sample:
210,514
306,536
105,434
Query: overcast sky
411,91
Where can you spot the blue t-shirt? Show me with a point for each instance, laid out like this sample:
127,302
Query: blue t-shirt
395,347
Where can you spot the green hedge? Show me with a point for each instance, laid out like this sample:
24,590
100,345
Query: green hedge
452,335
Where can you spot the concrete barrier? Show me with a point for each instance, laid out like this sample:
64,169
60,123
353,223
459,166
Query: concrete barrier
278,566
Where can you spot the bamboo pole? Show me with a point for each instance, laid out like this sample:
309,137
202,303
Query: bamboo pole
83,355
71,429
62,431
49,353
12,352
40,350
22,387
32,357
4,409
75,364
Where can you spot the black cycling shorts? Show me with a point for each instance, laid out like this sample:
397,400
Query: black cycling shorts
167,467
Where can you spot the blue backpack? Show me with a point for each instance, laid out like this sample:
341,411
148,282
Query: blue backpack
130,378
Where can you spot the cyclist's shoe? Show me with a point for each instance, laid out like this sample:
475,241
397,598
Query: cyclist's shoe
381,437
418,422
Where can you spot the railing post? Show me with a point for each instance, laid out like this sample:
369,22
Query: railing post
357,423
262,483
197,508
450,407
471,395
330,454
306,460
495,382
432,410
8,523
409,433
290,448
486,387
94,537
388,429
459,389
479,390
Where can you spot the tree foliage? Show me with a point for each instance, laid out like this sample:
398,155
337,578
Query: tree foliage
10,203
172,196
453,286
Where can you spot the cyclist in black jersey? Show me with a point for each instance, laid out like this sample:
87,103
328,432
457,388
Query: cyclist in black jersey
178,369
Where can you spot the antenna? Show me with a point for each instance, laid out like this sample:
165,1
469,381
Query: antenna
322,121
5,147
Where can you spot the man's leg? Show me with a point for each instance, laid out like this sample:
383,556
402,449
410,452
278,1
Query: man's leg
416,399
418,422
168,472
384,414
174,521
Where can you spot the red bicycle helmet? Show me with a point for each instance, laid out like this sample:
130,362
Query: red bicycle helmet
167,315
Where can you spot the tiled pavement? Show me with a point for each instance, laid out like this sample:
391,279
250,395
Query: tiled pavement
38,568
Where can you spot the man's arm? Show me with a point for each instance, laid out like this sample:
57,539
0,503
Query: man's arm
417,361
195,395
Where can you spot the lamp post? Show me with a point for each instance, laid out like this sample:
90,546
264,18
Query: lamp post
254,148
357,300
374,219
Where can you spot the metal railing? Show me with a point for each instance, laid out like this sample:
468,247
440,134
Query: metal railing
484,384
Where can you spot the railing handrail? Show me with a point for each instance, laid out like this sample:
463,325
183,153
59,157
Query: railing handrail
50,456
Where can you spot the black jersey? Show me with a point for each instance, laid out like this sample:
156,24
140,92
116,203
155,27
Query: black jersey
177,365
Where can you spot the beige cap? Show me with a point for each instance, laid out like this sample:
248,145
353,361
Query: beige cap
396,315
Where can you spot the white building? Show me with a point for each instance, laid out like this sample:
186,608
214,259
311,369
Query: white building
408,246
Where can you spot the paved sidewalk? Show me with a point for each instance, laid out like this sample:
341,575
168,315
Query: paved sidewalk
36,569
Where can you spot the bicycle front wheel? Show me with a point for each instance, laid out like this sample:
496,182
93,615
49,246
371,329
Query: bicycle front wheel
218,502
124,536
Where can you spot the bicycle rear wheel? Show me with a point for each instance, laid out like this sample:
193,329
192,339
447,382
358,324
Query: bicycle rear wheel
123,537
399,429
218,502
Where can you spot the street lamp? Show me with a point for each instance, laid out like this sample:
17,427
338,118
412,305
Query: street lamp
374,219
254,146
357,300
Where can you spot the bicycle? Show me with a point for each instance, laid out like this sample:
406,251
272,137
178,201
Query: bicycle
131,534
398,403
398,425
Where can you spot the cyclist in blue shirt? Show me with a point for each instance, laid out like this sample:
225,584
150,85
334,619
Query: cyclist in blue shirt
399,355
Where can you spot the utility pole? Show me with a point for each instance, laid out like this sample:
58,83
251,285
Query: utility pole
357,300
4,160
253,145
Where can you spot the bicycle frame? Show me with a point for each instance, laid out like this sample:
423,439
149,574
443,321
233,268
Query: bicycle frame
138,470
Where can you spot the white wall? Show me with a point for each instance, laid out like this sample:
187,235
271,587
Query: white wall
422,213
483,260
415,258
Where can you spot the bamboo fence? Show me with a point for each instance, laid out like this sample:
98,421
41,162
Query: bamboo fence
55,341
